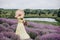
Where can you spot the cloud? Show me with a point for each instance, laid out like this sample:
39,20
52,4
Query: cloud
35,4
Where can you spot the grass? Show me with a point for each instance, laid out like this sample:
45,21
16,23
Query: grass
58,19
39,16
45,22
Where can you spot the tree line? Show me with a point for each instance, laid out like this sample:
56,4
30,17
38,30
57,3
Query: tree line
9,13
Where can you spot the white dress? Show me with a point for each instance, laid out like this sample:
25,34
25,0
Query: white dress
21,30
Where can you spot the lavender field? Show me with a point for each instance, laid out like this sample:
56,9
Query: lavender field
37,31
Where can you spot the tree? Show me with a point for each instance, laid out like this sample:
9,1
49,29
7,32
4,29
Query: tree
1,10
58,14
27,11
12,14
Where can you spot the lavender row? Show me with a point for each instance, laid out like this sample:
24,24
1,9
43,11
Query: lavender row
37,31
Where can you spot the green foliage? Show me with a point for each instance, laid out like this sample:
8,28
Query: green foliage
7,13
41,13
45,22
58,19
32,35
58,14
10,13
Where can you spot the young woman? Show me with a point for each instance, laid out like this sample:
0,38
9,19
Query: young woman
20,27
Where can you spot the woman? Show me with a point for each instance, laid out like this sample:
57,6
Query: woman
20,27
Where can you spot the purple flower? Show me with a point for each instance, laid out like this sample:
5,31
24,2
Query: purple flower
52,36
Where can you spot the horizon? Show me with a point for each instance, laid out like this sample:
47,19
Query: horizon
23,9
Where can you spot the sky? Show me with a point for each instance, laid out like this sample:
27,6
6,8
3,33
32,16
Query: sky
30,4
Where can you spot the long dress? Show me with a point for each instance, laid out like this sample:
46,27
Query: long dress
21,31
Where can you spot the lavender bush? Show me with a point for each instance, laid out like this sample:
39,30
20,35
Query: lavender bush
9,21
8,36
3,28
13,27
37,31
52,36
6,25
